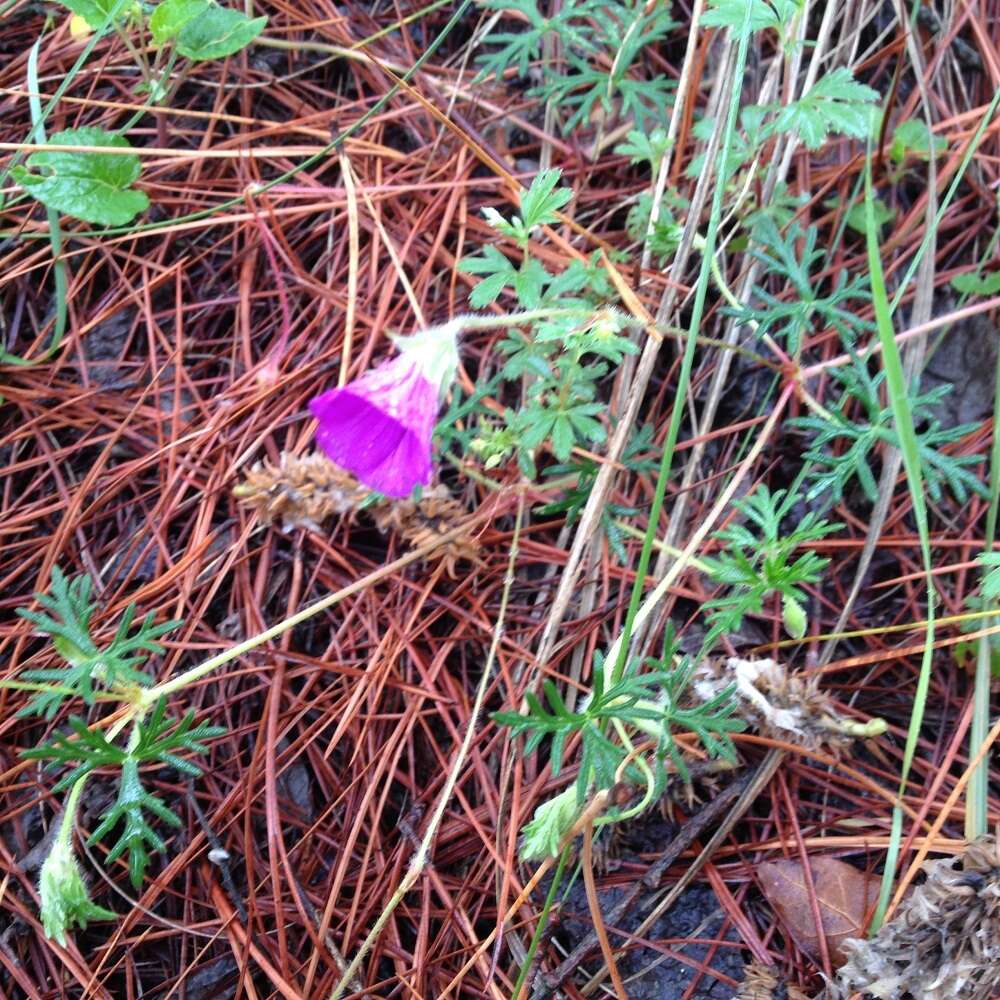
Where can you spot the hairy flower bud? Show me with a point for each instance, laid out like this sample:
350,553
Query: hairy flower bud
64,894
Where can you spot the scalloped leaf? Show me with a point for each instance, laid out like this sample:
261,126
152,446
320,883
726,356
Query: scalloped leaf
216,33
95,187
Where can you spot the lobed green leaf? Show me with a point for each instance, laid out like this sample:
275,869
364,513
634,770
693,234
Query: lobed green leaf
92,186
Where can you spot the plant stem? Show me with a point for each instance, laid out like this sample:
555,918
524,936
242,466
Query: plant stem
486,321
543,919
66,823
977,796
618,663
148,697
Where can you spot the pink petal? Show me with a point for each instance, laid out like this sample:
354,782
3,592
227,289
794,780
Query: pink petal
379,427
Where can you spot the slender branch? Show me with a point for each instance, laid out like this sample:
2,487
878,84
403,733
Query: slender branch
419,861
148,697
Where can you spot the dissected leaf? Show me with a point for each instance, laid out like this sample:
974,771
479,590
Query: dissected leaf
844,896
836,104
731,14
217,32
94,187
67,621
522,47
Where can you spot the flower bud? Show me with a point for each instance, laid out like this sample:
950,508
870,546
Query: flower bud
64,894
551,822
794,617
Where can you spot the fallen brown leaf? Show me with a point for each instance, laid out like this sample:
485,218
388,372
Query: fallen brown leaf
843,893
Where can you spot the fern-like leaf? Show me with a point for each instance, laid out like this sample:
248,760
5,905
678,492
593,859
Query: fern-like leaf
156,740
835,104
68,624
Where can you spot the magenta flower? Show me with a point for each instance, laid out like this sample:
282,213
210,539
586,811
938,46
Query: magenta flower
379,426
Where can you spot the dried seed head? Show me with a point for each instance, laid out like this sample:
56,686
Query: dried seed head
781,704
762,982
300,491
419,523
943,943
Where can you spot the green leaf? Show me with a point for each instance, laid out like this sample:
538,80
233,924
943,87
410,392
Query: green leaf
648,701
855,217
761,562
170,16
539,205
522,47
666,233
589,89
836,104
912,137
498,273
138,836
536,426
793,318
620,86
217,32
97,12
730,14
991,580
94,187
843,447
562,438
529,280
641,148
155,740
542,836
794,617
572,502
541,202
977,284
69,628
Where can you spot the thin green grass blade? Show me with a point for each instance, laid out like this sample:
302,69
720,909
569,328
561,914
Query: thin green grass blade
55,229
684,379
977,792
900,401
